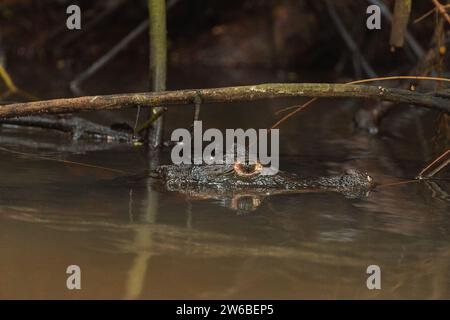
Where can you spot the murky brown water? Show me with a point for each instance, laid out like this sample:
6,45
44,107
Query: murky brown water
135,242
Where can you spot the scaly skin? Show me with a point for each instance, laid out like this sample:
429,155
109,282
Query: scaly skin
224,182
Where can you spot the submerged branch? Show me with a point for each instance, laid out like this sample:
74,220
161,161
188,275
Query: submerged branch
77,127
226,94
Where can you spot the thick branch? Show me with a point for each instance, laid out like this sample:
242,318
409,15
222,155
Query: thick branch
227,94
402,11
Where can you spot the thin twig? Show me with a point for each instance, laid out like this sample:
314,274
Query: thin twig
108,56
100,63
351,44
63,161
420,175
400,78
290,114
424,16
441,10
439,168
309,102
427,14
438,93
398,183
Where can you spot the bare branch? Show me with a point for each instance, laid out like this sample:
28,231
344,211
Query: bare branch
441,10
226,94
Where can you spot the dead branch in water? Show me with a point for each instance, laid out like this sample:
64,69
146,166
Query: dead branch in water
226,94
77,127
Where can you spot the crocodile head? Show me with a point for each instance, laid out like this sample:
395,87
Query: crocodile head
243,187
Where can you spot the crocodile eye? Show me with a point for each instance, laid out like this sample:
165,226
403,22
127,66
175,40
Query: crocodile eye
369,178
247,170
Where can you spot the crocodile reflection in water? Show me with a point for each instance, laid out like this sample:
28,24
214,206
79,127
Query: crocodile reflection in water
243,187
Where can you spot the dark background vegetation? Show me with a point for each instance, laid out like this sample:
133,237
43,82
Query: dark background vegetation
287,40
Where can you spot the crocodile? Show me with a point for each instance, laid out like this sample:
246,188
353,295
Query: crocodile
242,187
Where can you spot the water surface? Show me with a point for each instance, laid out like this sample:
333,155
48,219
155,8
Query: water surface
132,241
